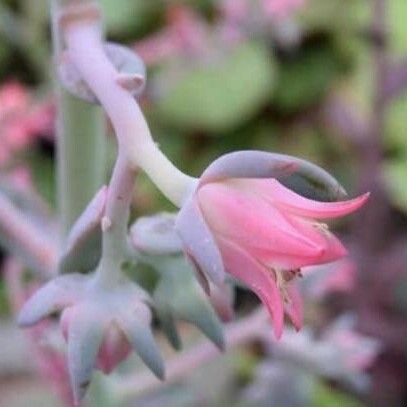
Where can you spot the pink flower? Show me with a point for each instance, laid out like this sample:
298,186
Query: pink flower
114,348
242,220
99,324
338,277
185,32
235,10
282,8
21,121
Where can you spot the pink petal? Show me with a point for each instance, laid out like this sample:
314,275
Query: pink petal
295,309
287,200
251,222
333,249
114,349
257,278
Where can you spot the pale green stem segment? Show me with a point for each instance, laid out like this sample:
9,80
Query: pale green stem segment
80,156
81,147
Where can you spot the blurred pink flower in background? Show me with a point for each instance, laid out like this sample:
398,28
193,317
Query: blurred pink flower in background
235,10
49,360
185,32
282,8
21,120
338,277
359,356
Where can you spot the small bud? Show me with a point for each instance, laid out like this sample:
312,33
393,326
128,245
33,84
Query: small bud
131,73
131,82
155,235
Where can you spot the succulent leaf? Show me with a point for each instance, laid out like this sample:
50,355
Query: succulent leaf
179,296
52,297
85,335
141,338
84,243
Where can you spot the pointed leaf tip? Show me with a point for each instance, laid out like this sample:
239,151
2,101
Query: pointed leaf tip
199,312
85,335
52,297
141,338
168,325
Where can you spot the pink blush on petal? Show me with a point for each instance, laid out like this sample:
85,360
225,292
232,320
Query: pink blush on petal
257,278
252,223
114,349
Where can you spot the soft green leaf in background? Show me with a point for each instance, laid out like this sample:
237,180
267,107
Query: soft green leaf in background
325,396
127,16
222,95
304,79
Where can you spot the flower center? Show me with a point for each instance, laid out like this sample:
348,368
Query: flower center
283,277
322,227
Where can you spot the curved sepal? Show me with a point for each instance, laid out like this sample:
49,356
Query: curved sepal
299,175
85,336
199,242
141,338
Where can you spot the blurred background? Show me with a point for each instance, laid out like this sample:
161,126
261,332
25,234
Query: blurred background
325,80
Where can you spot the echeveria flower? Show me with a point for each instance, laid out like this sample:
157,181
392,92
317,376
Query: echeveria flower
99,323
243,220
282,8
21,120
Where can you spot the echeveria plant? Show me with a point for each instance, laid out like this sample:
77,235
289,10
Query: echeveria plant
252,216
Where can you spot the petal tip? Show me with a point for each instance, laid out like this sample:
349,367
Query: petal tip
278,332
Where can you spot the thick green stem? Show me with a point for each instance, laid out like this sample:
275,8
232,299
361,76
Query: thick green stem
81,146
81,156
